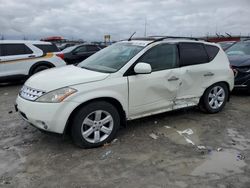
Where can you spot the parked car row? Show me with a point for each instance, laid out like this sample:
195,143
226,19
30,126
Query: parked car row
127,80
239,57
22,59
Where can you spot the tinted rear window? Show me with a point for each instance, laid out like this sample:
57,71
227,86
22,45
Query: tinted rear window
212,51
192,54
46,48
14,49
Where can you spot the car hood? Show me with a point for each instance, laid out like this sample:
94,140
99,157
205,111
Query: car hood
239,60
55,78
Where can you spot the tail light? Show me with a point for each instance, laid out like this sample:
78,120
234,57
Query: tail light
60,55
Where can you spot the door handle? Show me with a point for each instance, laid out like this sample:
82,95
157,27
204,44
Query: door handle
173,78
31,56
208,74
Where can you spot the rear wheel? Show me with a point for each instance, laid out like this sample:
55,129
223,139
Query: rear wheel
95,124
214,98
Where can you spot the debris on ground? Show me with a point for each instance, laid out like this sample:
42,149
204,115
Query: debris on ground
240,157
154,136
167,127
201,147
219,149
186,131
6,147
106,154
233,142
114,141
10,112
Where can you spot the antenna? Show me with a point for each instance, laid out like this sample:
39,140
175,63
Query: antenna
131,36
228,34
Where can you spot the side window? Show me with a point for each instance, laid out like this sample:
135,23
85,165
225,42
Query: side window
81,49
92,48
46,48
161,57
212,51
192,54
15,49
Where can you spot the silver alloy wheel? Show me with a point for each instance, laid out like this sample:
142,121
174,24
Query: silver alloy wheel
216,97
97,126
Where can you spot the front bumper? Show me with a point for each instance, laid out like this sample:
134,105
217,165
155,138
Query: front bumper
51,117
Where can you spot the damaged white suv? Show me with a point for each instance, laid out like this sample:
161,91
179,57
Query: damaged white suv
127,80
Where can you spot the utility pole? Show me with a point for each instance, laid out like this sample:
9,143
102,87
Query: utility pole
145,27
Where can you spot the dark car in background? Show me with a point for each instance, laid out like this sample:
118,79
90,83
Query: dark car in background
226,44
66,45
76,54
239,57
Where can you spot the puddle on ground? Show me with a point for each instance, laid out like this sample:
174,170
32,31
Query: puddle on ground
184,133
227,161
224,162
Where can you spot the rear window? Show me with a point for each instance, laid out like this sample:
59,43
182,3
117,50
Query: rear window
46,48
14,49
212,51
192,54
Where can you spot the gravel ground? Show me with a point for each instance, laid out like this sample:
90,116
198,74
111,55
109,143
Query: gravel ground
184,148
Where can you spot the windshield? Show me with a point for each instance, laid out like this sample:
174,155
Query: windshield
239,48
111,58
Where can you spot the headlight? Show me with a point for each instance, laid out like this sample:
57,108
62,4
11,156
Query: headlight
56,96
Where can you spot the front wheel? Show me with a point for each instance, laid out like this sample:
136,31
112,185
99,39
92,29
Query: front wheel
95,124
214,98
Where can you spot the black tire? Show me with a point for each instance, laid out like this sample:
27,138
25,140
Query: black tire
39,69
204,101
84,112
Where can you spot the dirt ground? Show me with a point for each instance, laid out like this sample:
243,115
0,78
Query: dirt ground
180,149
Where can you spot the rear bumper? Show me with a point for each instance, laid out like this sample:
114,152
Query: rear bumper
51,117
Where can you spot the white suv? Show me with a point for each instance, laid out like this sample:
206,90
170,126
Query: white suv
21,59
125,81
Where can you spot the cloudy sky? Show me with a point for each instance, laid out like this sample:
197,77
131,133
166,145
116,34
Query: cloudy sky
92,19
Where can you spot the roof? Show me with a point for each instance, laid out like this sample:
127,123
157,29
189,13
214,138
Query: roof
23,41
157,39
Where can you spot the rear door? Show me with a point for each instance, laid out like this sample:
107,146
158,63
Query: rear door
194,72
15,58
155,92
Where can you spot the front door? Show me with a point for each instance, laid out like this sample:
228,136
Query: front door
155,92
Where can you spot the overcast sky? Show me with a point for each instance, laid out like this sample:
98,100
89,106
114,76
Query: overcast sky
91,19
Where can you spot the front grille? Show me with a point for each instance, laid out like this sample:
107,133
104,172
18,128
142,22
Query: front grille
30,93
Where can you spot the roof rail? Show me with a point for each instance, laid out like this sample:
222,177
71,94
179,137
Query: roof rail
170,37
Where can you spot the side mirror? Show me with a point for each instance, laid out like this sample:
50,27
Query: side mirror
142,68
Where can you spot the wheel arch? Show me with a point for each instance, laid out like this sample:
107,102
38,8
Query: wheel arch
40,63
224,82
110,100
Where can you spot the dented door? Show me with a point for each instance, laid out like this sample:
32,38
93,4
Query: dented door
155,92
